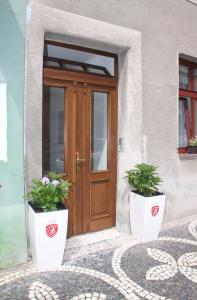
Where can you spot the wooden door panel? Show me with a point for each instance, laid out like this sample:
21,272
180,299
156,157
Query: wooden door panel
100,199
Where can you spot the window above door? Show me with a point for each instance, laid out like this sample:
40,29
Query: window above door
79,59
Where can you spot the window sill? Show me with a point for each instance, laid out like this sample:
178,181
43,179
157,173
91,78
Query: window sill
187,153
187,150
187,156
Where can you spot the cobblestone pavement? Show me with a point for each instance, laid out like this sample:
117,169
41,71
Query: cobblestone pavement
115,268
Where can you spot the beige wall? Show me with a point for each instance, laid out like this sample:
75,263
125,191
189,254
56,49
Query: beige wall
168,28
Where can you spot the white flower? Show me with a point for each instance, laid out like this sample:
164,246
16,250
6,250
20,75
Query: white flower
55,182
45,180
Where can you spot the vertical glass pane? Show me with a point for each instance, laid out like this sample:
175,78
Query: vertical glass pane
195,79
196,118
182,122
99,131
183,77
53,130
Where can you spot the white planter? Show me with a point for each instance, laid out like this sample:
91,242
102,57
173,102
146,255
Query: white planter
146,215
47,233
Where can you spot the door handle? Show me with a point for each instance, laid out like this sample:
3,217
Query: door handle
79,161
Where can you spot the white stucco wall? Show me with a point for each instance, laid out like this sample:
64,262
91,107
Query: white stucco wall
168,28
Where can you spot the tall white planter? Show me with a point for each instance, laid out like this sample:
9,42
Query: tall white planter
146,215
47,233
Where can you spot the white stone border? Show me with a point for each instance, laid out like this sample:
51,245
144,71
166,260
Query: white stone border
91,33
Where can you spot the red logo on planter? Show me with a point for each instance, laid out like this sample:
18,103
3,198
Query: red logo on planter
155,210
51,230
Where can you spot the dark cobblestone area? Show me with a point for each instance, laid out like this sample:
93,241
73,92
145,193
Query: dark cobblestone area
157,270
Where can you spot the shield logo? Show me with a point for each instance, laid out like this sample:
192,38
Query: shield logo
51,230
154,210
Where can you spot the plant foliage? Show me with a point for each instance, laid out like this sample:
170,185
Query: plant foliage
49,192
193,142
144,179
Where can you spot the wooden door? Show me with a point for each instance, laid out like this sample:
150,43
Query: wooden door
90,137
96,158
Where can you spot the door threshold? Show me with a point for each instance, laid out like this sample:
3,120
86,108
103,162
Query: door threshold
81,246
92,237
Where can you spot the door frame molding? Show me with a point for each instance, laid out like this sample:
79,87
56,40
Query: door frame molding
70,28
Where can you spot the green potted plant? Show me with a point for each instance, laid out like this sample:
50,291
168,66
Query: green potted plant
192,145
146,202
48,219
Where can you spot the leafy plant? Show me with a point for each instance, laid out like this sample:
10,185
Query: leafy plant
144,179
48,192
192,141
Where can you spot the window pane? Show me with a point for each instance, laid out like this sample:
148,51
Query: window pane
183,105
183,77
97,71
81,56
195,79
195,118
73,67
99,131
50,63
53,130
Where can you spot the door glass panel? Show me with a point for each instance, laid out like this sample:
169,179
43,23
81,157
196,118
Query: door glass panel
183,77
53,130
99,131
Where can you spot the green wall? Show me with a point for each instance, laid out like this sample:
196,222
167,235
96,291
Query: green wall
13,248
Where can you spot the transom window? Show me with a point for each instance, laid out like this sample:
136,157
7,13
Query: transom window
74,58
187,103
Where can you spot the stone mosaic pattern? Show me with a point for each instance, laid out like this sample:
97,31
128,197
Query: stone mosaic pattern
94,296
120,269
41,291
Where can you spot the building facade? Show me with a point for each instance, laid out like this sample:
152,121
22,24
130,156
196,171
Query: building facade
146,39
